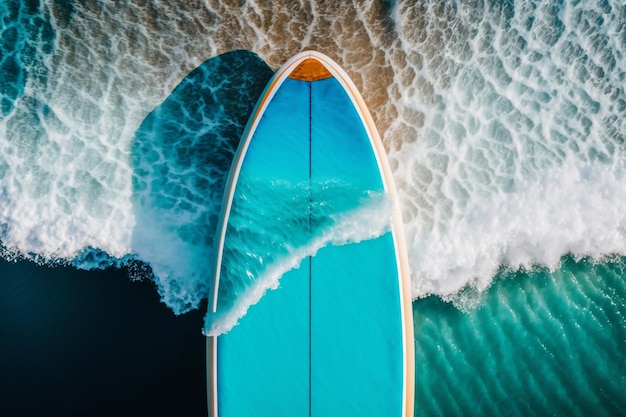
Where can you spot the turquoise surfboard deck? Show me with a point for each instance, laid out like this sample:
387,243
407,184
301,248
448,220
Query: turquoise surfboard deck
335,335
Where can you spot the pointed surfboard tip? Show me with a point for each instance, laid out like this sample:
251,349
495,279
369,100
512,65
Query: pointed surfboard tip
310,70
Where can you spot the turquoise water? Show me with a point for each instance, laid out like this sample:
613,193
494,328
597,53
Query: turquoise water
562,354
504,124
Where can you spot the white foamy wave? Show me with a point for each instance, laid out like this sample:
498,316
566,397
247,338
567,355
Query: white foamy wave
91,173
481,106
60,192
510,136
570,210
369,221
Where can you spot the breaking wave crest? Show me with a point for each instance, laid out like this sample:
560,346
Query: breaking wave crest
504,124
246,284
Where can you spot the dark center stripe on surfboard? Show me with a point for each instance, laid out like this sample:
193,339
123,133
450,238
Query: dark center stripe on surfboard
310,258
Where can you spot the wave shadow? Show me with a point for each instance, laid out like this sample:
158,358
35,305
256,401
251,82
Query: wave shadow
181,155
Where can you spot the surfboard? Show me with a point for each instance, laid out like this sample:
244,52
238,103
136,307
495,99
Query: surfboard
335,337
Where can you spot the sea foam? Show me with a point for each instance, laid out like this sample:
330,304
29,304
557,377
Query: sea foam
571,210
510,135
247,284
505,126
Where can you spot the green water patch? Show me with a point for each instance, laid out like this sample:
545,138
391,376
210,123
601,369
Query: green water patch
536,343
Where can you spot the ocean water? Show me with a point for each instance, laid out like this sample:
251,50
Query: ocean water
77,343
504,123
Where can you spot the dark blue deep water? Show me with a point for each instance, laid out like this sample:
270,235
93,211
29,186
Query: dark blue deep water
77,343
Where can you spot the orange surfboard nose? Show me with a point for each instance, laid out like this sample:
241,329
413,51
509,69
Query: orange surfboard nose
310,70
